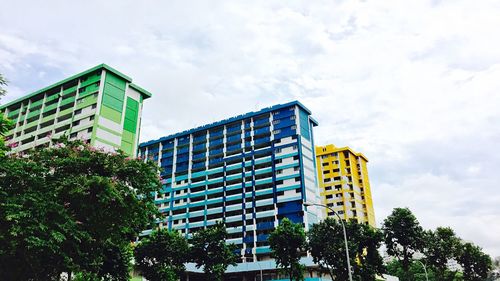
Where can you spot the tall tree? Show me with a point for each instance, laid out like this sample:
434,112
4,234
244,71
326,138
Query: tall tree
287,243
326,244
5,124
475,263
441,247
161,256
210,251
3,82
72,208
403,236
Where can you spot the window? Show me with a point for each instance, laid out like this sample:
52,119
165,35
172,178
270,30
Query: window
292,117
276,132
278,172
326,172
278,161
325,164
89,130
94,106
81,90
73,135
276,122
294,147
295,169
76,123
91,117
78,111
294,127
278,150
296,157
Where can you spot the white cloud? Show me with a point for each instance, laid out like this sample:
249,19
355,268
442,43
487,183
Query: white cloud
412,84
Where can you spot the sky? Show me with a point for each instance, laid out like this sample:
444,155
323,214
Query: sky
414,85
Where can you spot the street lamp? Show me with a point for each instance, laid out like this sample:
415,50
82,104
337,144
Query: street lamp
425,270
345,234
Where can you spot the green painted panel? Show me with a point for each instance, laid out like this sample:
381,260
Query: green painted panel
86,102
51,98
128,136
111,114
90,80
115,81
68,101
127,148
69,90
112,103
33,113
50,107
130,123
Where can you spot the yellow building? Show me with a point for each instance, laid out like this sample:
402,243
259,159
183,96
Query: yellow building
344,184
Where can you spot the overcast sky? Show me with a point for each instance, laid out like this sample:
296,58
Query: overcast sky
414,85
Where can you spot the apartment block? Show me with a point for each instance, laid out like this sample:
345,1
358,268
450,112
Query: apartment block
100,106
249,171
344,184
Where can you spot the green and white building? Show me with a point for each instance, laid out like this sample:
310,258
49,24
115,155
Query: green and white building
100,106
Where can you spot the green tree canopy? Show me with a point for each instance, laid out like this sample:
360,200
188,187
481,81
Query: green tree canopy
403,236
5,124
161,256
327,246
210,251
287,243
441,247
72,208
475,263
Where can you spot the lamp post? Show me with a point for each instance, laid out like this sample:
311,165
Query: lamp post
425,270
343,229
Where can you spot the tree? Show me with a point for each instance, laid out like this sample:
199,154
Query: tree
161,256
3,82
441,246
5,124
287,243
72,208
326,244
475,264
416,271
403,236
209,249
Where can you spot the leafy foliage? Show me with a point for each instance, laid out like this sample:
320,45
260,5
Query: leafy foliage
474,262
403,236
5,124
209,249
440,247
72,208
326,243
287,243
3,82
161,256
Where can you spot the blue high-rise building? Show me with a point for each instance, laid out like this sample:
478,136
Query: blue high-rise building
249,171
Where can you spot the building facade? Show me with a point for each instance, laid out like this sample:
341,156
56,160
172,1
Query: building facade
344,184
100,106
249,171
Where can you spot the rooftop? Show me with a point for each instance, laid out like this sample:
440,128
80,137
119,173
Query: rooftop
145,93
232,119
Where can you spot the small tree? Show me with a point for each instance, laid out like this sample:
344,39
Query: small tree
327,246
161,256
474,262
403,236
441,246
209,249
287,243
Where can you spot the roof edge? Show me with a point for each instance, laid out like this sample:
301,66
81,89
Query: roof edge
227,120
100,66
141,90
